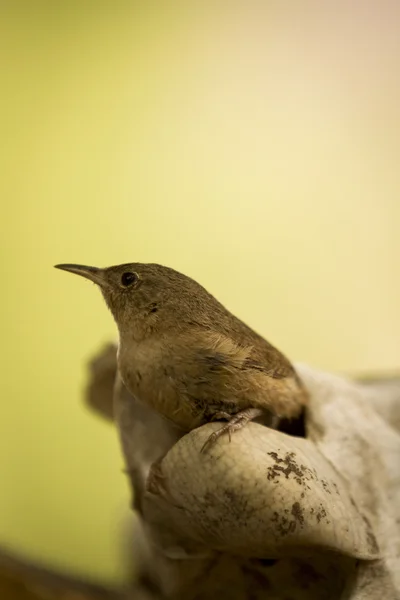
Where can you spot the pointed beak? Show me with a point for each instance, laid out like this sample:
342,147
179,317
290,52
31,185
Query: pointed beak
93,273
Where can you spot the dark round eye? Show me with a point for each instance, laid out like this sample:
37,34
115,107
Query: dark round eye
128,279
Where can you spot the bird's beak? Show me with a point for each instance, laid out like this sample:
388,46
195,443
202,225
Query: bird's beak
93,273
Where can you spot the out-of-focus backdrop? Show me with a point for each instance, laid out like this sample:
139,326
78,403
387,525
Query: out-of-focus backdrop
254,146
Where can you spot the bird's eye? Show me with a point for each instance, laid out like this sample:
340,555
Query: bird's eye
128,279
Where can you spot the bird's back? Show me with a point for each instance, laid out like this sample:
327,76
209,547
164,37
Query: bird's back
228,367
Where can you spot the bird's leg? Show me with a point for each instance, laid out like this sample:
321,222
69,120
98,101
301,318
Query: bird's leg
235,422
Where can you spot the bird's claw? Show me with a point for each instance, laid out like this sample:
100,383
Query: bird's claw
235,422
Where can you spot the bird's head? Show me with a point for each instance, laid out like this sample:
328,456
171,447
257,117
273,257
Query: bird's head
147,297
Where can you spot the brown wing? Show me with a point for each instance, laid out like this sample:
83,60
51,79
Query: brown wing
225,353
228,373
260,356
271,363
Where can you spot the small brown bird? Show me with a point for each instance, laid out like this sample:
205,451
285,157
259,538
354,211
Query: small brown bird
184,354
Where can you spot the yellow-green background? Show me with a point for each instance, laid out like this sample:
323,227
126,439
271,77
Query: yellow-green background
254,146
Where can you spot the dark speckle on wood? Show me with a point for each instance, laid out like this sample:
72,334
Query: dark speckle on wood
321,514
283,525
287,466
325,486
297,512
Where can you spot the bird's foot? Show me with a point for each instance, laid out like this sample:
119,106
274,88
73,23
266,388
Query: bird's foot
234,423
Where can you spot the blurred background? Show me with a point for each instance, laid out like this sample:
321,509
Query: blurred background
253,146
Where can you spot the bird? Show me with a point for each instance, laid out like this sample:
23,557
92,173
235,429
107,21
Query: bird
185,355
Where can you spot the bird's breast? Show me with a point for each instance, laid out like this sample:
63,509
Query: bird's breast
149,373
